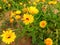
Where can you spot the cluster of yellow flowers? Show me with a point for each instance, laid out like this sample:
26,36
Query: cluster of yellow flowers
15,15
35,2
9,36
27,18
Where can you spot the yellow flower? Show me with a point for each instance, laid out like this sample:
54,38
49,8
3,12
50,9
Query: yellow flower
24,5
52,2
8,36
27,19
29,2
36,0
34,3
12,14
21,3
43,0
11,20
17,17
48,41
9,5
0,7
18,12
43,24
33,10
4,1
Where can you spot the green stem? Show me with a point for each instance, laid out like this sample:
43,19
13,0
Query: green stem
57,37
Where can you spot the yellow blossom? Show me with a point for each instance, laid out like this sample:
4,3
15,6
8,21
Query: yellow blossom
27,18
36,0
34,3
43,0
18,12
21,3
43,24
9,5
24,5
52,2
4,1
0,7
29,2
12,14
48,41
11,20
33,10
17,17
8,36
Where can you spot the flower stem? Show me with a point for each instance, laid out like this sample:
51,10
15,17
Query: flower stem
57,36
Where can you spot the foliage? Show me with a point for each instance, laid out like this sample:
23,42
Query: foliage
48,12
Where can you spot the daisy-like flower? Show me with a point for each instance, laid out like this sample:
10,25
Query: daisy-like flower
48,41
8,36
43,24
33,10
27,18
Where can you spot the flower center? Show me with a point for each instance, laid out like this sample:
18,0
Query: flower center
43,24
27,18
8,37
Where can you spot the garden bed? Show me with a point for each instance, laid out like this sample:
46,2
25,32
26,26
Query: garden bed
29,22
